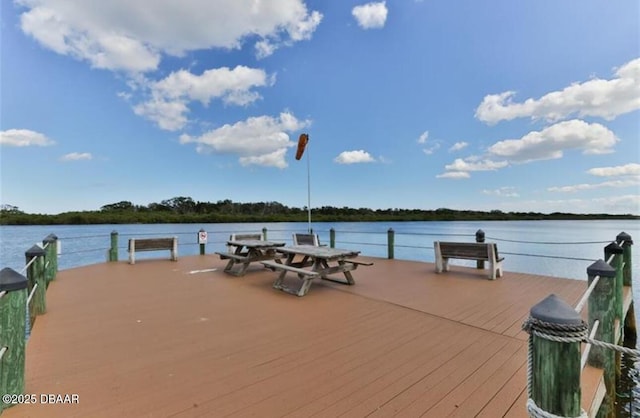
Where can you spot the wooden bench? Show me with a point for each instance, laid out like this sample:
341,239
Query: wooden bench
306,239
468,251
359,263
238,257
280,267
152,244
242,237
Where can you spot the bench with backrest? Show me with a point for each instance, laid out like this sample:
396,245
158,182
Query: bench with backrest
468,251
306,239
152,244
240,237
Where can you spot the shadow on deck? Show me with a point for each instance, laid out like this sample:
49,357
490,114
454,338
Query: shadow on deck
159,339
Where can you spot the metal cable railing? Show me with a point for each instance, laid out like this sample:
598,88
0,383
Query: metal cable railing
221,238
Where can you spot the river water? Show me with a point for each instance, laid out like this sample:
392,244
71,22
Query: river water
553,248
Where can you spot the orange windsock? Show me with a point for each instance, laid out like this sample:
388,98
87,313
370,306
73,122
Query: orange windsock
302,143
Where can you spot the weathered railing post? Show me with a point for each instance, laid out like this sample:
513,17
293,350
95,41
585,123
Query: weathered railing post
264,233
113,249
50,242
35,276
202,240
601,308
332,238
626,251
554,383
617,263
630,330
480,238
390,243
13,324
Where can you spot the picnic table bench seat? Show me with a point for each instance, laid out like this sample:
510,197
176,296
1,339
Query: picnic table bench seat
479,251
273,265
359,263
227,256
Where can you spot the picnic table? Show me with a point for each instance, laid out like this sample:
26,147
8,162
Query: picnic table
322,261
246,252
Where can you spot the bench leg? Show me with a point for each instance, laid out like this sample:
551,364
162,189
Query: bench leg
306,285
278,283
345,268
442,264
496,270
303,290
240,272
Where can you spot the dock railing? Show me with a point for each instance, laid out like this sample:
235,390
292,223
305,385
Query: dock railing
22,300
557,332
383,243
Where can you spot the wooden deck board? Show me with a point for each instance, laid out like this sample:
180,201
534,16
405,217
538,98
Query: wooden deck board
154,339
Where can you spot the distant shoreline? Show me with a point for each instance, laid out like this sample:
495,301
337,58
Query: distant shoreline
319,215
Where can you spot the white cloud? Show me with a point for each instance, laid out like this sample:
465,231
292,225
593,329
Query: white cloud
618,204
611,204
76,156
458,146
601,98
169,115
454,175
371,15
132,36
169,97
621,170
590,186
460,168
424,138
629,177
472,164
502,192
261,140
433,148
272,159
354,157
24,138
551,142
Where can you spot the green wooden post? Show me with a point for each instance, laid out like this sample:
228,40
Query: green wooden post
601,308
626,248
480,238
555,372
52,254
35,275
47,263
332,238
390,243
264,233
13,323
202,240
113,249
617,263
630,329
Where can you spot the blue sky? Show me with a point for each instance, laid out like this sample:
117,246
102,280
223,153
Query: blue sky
515,106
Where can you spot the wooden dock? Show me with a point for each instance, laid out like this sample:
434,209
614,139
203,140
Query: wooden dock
176,339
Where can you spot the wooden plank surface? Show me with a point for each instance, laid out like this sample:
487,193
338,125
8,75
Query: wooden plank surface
162,339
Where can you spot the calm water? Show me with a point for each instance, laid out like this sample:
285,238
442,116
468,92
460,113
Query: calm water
553,248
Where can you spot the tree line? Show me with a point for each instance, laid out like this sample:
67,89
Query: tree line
186,210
